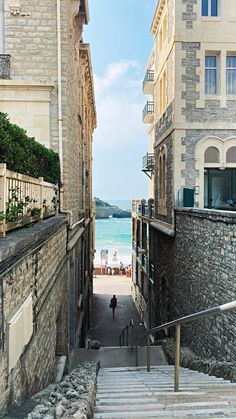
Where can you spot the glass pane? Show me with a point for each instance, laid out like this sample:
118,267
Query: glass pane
231,61
206,189
231,155
210,61
231,82
214,7
204,7
212,155
210,81
220,189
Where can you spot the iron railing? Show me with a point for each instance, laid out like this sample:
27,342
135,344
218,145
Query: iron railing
149,77
5,66
148,109
124,332
177,323
148,162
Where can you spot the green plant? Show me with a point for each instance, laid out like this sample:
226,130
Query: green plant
24,155
2,216
35,212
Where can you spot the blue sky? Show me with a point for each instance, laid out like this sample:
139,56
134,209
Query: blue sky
118,33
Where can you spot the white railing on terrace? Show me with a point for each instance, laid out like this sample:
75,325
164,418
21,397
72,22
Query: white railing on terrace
24,199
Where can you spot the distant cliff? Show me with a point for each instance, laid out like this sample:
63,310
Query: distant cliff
105,210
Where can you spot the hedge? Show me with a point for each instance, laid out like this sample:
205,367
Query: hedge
24,155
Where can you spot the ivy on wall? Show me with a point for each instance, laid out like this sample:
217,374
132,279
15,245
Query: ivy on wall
24,155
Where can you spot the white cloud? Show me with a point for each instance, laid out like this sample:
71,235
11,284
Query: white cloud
119,104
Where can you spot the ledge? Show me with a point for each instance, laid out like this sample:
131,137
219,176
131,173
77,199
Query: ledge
164,228
217,215
19,242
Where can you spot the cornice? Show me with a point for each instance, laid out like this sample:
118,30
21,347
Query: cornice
85,55
157,16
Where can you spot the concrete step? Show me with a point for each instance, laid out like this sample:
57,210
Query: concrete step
131,392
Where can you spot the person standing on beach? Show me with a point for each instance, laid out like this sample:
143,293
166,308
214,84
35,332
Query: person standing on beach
113,305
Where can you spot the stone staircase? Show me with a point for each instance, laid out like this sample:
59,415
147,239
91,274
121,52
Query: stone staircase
131,392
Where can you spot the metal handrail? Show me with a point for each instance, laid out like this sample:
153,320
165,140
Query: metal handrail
122,335
221,309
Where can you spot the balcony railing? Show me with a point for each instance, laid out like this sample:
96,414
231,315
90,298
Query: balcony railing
5,66
148,113
148,164
148,82
24,199
144,208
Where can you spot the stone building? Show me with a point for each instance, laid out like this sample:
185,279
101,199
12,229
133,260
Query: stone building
46,87
184,258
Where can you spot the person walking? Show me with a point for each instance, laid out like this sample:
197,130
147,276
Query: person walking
113,305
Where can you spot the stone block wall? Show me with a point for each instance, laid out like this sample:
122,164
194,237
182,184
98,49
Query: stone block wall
199,267
42,271
31,40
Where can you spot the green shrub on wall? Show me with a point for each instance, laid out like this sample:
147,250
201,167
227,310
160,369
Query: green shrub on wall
24,155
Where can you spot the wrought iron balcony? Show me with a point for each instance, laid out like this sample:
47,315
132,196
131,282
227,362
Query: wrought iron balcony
148,82
148,164
148,113
5,66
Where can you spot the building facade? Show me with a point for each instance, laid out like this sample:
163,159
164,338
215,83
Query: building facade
46,87
191,110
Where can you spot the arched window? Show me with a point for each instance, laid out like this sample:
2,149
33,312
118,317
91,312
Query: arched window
162,161
231,155
212,155
160,177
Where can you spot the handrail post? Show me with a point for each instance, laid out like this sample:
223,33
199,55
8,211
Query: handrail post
148,353
3,197
120,340
41,197
177,356
127,336
123,338
136,351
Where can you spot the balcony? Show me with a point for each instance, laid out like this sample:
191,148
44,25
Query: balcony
148,113
5,66
148,82
148,164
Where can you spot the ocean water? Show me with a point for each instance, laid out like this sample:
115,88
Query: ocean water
114,234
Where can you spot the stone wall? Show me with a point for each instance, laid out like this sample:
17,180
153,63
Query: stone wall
41,270
199,267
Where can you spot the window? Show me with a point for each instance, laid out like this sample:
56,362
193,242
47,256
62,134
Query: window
163,92
210,8
220,189
211,74
231,75
162,33
212,155
162,168
231,155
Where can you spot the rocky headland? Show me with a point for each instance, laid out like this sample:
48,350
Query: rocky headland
105,210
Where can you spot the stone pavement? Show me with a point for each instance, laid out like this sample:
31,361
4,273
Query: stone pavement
103,327
107,330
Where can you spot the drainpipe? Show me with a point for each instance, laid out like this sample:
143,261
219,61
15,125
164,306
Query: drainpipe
59,110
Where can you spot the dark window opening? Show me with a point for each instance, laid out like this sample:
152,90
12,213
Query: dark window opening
220,189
